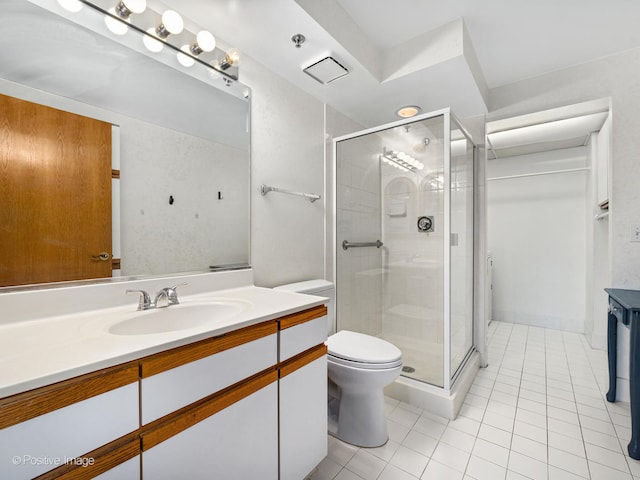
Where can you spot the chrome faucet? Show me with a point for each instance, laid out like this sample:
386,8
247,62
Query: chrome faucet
164,298
145,299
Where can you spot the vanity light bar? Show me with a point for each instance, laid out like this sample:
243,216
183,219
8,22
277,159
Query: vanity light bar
120,18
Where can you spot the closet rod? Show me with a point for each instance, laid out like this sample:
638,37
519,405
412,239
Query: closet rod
569,170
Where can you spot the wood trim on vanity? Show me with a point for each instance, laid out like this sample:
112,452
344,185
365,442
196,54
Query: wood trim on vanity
33,403
294,319
176,357
102,459
302,359
174,423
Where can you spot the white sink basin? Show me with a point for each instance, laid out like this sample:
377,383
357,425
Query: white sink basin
177,317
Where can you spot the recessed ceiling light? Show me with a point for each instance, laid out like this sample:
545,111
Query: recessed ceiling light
408,111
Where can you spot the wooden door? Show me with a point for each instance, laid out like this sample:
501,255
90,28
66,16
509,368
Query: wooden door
55,194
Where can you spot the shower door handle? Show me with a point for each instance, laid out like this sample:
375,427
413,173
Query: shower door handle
346,244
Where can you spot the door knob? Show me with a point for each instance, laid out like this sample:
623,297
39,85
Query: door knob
103,256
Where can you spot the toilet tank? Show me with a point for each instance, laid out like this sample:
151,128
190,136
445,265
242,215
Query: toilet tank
321,288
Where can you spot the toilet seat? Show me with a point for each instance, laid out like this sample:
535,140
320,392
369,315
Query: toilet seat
363,365
363,351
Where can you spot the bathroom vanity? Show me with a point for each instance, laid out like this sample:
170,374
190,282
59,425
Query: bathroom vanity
242,396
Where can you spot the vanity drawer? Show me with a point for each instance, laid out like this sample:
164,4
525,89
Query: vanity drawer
618,311
301,331
176,378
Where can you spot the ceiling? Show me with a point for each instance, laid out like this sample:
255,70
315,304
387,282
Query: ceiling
429,53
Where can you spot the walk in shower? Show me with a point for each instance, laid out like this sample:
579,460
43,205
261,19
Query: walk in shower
404,241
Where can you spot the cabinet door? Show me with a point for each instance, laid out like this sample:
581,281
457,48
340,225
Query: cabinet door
237,442
303,413
54,439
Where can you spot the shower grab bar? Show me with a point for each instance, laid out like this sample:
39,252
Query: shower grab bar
346,244
264,189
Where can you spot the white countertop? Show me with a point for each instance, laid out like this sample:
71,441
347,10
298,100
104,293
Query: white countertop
40,352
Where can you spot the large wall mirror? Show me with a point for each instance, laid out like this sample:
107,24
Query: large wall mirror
179,143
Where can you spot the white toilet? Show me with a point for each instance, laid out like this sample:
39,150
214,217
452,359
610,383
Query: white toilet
359,366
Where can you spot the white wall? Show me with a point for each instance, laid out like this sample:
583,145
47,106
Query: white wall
537,239
287,151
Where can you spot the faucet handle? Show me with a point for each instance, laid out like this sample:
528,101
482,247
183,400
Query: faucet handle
145,299
172,295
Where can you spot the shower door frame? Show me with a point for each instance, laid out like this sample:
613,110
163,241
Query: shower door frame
446,113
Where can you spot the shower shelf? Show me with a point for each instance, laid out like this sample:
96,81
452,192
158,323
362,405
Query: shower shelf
264,189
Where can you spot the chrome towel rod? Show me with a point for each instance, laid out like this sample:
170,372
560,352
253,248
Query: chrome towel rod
264,189
346,244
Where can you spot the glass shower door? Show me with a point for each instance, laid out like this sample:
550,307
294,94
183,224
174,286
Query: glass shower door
461,249
413,224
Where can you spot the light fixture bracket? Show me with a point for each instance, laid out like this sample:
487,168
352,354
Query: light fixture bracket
159,33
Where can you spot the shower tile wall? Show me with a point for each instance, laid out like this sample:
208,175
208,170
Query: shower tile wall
359,299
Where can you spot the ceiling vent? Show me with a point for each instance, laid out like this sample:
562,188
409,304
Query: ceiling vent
326,70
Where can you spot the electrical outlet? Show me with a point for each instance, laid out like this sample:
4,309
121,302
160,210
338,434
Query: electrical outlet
634,232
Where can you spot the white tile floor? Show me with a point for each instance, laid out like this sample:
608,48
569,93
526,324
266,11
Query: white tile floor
536,412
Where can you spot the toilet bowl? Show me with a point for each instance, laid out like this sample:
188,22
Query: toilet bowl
359,367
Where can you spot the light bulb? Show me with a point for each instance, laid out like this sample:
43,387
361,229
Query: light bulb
151,42
185,60
127,7
205,42
171,24
71,5
115,26
232,58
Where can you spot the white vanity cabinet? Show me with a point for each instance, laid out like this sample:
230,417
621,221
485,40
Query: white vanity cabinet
303,392
249,403
84,423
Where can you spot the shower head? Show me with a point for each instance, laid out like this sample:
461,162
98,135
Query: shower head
421,147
